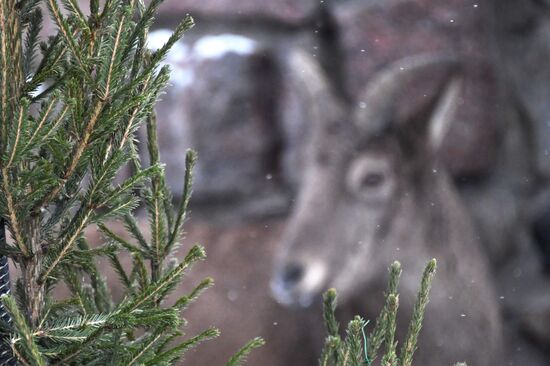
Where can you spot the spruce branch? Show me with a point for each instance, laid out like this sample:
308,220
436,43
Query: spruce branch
76,154
353,347
144,347
238,358
190,161
377,336
177,351
356,349
68,37
16,133
185,300
409,346
34,24
5,9
390,357
133,229
27,350
72,8
331,348
121,272
329,307
165,283
6,355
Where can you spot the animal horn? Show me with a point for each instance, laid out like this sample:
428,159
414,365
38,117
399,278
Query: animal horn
444,113
378,102
311,83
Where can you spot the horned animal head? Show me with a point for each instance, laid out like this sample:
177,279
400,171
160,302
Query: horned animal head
367,169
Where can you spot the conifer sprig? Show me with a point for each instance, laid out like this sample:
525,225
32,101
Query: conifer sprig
70,107
411,340
240,356
351,350
377,336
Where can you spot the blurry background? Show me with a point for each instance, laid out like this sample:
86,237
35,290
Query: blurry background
232,98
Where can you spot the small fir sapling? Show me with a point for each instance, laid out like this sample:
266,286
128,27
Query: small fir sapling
70,106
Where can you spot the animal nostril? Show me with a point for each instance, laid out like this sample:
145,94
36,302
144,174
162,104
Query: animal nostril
292,274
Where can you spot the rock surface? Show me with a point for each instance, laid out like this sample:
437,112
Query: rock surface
222,103
375,33
290,11
523,33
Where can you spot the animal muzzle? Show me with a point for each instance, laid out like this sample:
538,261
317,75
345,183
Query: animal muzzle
298,283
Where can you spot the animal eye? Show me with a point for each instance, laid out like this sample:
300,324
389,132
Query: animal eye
372,180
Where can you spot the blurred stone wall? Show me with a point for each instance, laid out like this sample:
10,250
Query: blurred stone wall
231,97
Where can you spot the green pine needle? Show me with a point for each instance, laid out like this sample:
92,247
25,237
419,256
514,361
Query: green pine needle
239,358
409,346
71,106
357,349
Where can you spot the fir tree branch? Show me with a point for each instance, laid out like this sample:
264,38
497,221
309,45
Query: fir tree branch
14,220
132,118
72,7
376,338
47,67
238,358
353,348
190,161
184,301
16,51
31,40
41,123
4,8
329,308
114,56
155,211
29,351
156,288
409,346
175,353
333,343
65,31
132,227
123,242
81,223
18,355
143,351
140,272
75,156
115,262
390,358
18,132
79,348
329,354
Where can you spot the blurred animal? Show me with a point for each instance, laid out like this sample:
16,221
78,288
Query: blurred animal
373,191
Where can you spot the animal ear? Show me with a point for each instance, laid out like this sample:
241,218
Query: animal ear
407,92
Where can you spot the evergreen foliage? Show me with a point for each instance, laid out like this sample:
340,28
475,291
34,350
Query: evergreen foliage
357,349
70,107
